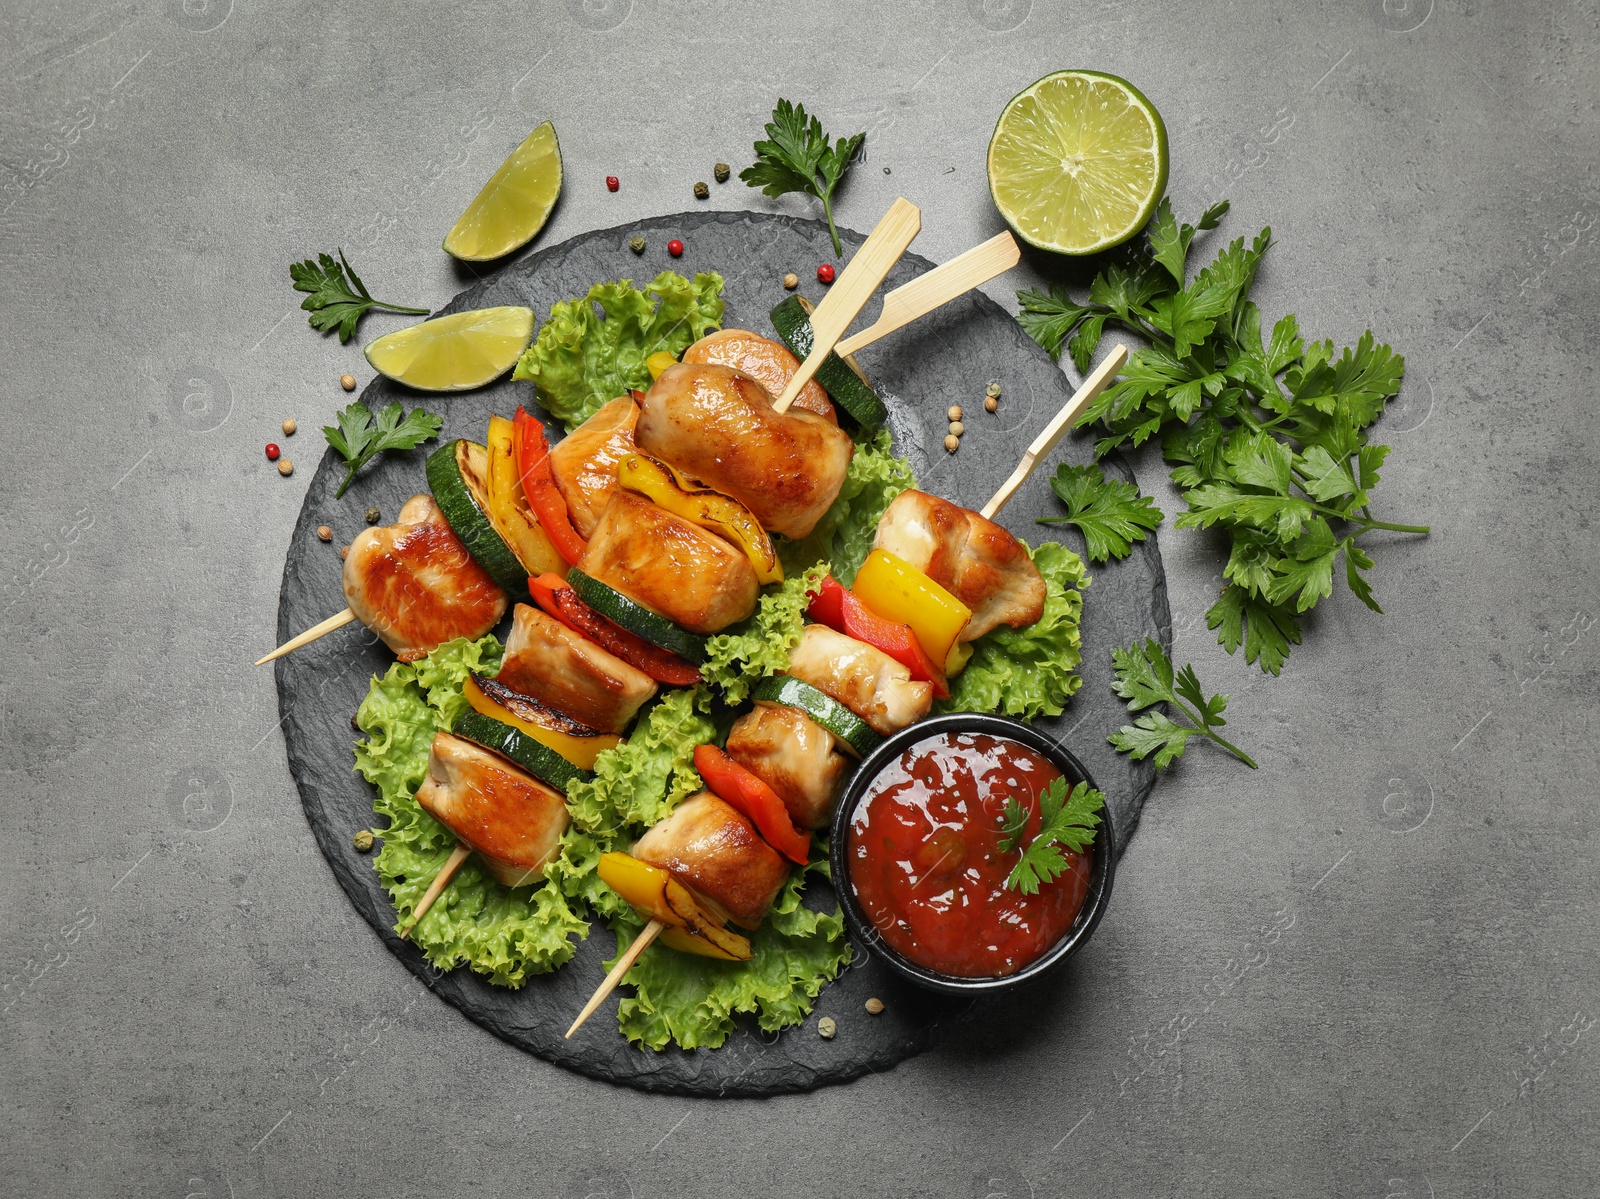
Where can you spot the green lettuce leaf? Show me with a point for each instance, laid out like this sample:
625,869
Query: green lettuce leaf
581,360
693,1000
760,646
503,933
844,534
1029,672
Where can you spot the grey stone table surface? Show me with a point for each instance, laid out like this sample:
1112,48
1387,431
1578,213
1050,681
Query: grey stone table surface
1408,884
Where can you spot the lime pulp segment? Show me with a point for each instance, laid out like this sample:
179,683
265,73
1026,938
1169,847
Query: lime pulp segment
456,352
514,205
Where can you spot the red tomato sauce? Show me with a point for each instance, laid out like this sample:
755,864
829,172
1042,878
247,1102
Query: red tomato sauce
926,865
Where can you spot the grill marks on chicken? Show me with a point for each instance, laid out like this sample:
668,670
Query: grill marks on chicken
766,361
414,584
974,559
566,671
861,677
793,755
718,425
513,821
584,462
673,567
715,851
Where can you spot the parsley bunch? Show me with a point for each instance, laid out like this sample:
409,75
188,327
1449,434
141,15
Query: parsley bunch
359,438
1064,819
1267,437
1145,678
796,156
333,302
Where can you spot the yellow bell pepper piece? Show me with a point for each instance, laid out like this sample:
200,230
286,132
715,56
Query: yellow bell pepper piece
508,507
898,591
658,363
499,702
712,510
653,892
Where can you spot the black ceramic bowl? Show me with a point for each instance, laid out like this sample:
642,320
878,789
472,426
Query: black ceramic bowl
1102,870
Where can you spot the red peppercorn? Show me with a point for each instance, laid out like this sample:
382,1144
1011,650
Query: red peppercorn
273,451
825,272
612,183
675,248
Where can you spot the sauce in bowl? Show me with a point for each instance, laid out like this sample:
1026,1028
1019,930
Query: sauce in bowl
926,865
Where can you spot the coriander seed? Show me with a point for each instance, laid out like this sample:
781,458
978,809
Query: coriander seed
791,281
289,426
373,515
702,191
285,467
827,1027
955,412
952,443
991,404
875,1006
348,382
324,533
721,171
363,840
957,428
344,552
637,245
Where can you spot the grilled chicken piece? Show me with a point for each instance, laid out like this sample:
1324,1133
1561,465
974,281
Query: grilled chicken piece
766,361
674,567
795,756
566,671
584,462
718,425
861,677
414,584
974,559
512,820
718,854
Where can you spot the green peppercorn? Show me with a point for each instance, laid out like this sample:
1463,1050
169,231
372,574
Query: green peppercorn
362,840
720,172
637,245
827,1028
373,515
702,191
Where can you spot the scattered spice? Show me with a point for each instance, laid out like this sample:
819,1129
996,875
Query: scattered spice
344,552
285,468
363,840
289,426
675,248
791,280
991,404
825,272
955,412
354,723
348,382
721,171
702,190
612,183
875,1006
952,443
373,515
324,533
993,389
957,428
827,1027
637,245
273,451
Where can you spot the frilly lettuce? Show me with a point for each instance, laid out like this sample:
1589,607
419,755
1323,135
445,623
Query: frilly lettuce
760,646
844,534
581,360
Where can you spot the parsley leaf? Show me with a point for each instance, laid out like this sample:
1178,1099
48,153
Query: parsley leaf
1064,819
1267,439
358,438
333,302
1145,677
796,156
1110,514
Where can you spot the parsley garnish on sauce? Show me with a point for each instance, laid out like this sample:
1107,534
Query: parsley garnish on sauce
1065,819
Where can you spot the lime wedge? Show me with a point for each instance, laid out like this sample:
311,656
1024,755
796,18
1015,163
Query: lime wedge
456,352
1078,162
514,205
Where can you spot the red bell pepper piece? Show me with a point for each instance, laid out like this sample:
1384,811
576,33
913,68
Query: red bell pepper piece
746,791
556,596
838,607
539,486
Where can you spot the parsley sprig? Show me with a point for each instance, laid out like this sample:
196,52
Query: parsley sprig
1144,678
333,302
1267,437
1065,819
1110,513
796,156
359,438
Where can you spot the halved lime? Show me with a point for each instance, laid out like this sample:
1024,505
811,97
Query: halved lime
514,205
456,352
1078,162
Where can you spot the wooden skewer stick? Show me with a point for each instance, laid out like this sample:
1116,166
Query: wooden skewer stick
935,289
624,964
854,288
1045,442
306,638
440,881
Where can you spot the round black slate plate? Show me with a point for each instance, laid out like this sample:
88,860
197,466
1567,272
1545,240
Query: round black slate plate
947,358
